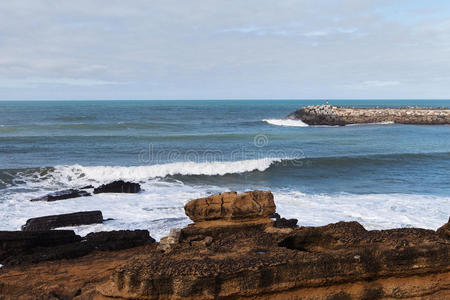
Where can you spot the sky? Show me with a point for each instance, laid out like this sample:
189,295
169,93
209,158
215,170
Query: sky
224,49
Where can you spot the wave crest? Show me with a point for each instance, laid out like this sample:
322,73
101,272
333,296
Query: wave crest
139,173
286,122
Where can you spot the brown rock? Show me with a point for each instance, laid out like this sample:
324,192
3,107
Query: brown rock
444,230
231,206
337,261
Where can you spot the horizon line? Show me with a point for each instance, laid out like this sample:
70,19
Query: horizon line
237,99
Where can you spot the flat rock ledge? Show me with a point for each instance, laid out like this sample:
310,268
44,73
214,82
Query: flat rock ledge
335,115
222,256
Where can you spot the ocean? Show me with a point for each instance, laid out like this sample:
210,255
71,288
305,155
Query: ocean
381,175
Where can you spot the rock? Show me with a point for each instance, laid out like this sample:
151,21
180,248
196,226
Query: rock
337,261
275,216
202,243
62,195
64,220
119,186
173,238
18,247
285,223
117,240
321,115
22,247
444,230
20,240
163,244
87,187
231,206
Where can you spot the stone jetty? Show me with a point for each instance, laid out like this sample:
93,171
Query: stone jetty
336,115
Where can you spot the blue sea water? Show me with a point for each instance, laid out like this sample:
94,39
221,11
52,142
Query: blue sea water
382,175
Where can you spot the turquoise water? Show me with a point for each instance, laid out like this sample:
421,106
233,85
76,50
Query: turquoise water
383,175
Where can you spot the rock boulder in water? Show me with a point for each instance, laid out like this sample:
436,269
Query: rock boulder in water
119,186
64,220
62,195
231,206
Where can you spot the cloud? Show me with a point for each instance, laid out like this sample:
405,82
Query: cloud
371,84
38,82
205,49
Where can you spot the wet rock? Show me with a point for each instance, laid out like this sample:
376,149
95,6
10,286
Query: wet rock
231,206
117,240
24,247
275,216
62,195
20,240
119,186
18,247
63,220
285,223
87,187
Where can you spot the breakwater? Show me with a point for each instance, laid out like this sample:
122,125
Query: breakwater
336,115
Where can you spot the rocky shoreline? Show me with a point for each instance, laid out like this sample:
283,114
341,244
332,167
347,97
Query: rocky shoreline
237,247
336,115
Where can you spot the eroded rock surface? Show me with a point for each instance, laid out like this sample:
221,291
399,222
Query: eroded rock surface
234,250
231,206
342,259
229,257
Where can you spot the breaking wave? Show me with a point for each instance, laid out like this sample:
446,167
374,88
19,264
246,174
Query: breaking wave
286,122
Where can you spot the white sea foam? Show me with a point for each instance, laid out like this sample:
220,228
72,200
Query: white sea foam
376,123
286,122
299,123
373,211
84,174
160,207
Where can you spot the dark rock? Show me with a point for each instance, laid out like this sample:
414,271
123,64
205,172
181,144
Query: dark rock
119,186
64,220
285,223
62,195
19,240
117,240
17,247
87,187
275,216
